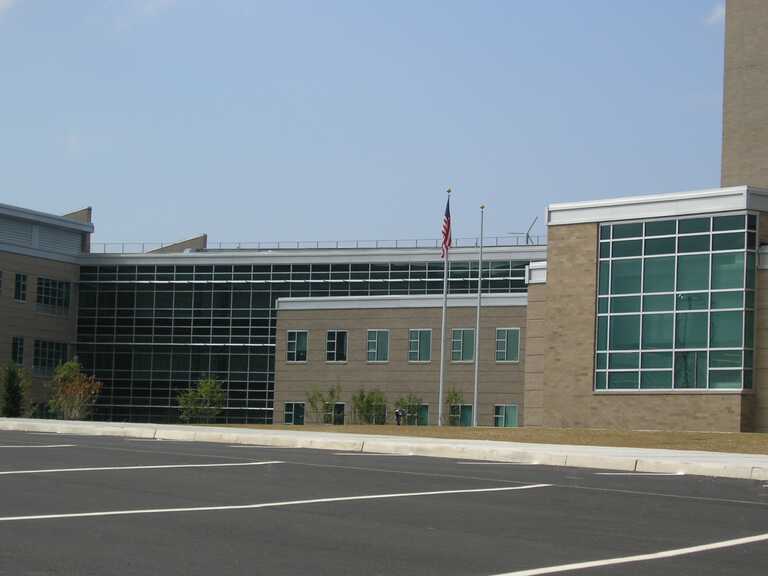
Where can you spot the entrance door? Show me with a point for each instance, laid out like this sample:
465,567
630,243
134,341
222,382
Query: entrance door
338,413
423,415
298,413
466,415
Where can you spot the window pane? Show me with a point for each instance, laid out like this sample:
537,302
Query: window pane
691,330
693,272
425,345
619,361
660,228
725,379
725,329
693,243
725,359
659,246
695,301
602,306
658,303
625,332
657,359
602,333
605,232
691,370
728,241
690,225
656,380
627,230
727,300
659,274
604,277
728,222
602,361
751,271
622,380
605,250
749,329
625,304
657,331
468,345
600,381
625,276
627,248
727,271
513,345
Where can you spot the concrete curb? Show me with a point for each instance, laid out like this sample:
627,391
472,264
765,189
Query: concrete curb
725,465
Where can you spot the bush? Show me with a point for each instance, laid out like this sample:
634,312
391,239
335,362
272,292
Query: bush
14,383
202,403
454,398
410,405
72,392
370,407
321,404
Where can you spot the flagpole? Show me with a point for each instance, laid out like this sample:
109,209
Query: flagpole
477,319
442,336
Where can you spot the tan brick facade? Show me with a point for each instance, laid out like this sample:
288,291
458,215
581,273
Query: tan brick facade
535,346
500,383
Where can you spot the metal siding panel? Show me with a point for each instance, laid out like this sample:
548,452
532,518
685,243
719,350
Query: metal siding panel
15,232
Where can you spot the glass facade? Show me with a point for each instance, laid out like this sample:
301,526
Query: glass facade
676,303
147,332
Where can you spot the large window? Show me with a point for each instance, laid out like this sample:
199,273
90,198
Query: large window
378,345
507,344
53,295
336,346
676,303
463,345
20,289
17,350
294,413
47,356
297,345
420,345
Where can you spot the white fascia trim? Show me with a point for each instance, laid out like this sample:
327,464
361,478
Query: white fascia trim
536,272
44,218
322,256
382,302
659,205
37,253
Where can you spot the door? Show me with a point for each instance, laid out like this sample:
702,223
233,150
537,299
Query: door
423,415
338,413
466,415
298,413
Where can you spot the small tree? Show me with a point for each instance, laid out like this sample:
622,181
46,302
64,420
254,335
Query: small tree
410,405
72,392
321,404
454,398
202,403
14,383
370,407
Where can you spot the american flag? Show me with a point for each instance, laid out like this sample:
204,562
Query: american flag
446,229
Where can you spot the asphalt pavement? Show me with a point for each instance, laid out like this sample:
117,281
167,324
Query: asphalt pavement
103,505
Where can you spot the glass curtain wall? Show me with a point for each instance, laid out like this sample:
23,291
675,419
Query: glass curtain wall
676,303
149,332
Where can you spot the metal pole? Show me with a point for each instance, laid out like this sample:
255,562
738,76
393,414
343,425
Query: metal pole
442,338
477,319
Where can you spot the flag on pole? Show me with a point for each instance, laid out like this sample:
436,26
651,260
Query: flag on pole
446,229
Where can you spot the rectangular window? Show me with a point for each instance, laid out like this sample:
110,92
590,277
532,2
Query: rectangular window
48,356
20,290
507,344
297,345
505,415
463,345
336,346
53,295
17,350
294,413
378,345
419,345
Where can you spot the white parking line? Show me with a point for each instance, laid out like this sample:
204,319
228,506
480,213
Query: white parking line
39,446
640,557
639,473
252,446
367,454
493,463
93,469
267,504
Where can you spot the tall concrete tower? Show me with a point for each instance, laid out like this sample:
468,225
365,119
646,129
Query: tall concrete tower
745,102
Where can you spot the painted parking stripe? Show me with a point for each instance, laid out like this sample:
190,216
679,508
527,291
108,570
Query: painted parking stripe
267,504
639,473
640,557
39,446
368,454
494,463
158,467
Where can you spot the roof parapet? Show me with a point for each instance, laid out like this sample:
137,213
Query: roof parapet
190,245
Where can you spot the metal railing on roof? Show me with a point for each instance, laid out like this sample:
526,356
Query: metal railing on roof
472,242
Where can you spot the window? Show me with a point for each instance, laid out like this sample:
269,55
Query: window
17,350
378,345
507,344
336,346
20,290
53,295
294,413
679,312
505,415
463,345
297,345
420,345
48,355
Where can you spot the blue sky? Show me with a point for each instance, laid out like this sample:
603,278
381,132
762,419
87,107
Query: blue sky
347,119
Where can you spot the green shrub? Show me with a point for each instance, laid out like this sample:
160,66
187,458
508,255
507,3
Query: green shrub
321,403
202,403
13,385
72,392
410,405
370,407
454,398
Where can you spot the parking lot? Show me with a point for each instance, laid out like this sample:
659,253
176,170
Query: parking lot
99,505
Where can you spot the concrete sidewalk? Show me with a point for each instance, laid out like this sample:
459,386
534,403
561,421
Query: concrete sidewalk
727,465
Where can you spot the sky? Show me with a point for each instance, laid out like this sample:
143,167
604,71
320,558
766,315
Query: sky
326,119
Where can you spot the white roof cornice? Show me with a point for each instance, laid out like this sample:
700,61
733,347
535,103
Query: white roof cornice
44,218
